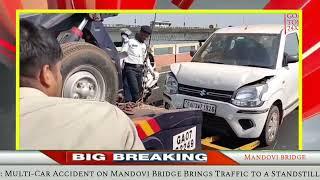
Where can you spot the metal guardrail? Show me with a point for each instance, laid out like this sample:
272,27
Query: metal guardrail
170,27
135,28
175,47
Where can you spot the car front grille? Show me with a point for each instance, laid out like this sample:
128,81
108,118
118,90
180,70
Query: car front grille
213,94
215,125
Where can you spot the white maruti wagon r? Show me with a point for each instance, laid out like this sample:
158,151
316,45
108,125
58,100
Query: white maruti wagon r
244,79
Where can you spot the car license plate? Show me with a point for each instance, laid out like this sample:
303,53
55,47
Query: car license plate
185,140
210,108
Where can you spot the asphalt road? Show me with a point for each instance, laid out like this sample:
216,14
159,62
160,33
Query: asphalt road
287,138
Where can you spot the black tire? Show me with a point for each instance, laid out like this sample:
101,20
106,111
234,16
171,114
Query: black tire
266,137
81,56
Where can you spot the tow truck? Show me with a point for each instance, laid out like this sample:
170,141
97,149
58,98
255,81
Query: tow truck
91,70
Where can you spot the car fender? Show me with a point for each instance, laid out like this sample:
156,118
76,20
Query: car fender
275,92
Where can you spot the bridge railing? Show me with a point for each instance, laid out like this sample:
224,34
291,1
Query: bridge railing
157,27
179,48
166,54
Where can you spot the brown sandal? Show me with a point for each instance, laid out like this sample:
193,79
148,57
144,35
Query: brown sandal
132,104
125,108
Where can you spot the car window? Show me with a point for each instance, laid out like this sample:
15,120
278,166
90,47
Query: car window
292,45
257,50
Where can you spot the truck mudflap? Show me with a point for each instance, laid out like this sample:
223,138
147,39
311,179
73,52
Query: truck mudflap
171,130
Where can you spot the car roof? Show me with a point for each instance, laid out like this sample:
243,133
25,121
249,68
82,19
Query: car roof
261,28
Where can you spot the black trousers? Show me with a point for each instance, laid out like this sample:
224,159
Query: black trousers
134,78
126,90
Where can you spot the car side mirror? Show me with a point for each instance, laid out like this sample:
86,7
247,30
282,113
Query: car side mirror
287,59
292,59
192,52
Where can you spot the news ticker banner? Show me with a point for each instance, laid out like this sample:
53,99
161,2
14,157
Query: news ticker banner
159,158
158,172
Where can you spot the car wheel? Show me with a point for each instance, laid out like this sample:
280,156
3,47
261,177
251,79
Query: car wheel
271,128
88,73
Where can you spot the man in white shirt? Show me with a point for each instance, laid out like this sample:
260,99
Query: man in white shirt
50,122
133,68
125,33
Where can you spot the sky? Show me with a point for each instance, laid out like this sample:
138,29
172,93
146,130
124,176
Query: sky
198,20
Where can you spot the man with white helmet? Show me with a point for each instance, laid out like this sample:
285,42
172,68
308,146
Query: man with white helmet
125,34
134,62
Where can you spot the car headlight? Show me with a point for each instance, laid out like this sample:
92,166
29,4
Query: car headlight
250,96
171,84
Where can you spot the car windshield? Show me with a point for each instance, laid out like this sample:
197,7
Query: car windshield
256,50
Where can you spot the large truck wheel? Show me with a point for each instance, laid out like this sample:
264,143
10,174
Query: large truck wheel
88,73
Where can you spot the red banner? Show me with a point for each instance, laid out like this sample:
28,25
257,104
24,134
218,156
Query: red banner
183,4
139,158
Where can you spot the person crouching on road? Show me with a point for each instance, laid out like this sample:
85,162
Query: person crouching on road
133,68
48,121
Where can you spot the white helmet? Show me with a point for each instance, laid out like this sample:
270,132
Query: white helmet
126,31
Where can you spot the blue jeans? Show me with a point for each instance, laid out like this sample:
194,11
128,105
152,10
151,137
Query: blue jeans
134,80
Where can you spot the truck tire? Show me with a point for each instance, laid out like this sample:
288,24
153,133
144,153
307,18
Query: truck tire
88,73
271,128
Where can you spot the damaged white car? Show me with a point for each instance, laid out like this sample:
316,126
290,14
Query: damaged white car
244,79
